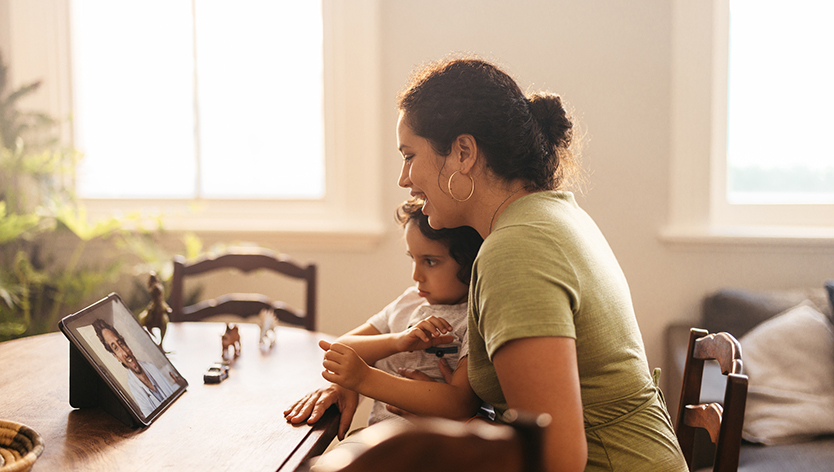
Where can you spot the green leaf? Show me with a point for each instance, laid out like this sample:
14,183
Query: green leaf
193,245
8,287
12,328
75,219
13,226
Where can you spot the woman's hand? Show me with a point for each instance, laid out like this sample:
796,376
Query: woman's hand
425,334
313,405
343,366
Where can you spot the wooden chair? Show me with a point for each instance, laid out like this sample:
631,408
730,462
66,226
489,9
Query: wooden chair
440,445
243,304
722,423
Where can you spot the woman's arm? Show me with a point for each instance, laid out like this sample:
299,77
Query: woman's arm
312,406
454,400
540,375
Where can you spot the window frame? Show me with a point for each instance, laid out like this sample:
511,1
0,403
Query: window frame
350,212
698,207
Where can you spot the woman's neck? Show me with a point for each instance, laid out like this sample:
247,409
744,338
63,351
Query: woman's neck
494,202
492,196
513,196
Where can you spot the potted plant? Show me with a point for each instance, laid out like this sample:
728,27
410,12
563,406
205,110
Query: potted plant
45,273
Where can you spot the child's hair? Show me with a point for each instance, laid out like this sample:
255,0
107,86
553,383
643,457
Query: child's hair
463,242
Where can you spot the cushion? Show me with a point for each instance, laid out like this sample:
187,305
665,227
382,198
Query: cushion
810,456
829,287
737,311
789,360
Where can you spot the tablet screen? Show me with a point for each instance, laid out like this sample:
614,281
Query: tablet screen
125,356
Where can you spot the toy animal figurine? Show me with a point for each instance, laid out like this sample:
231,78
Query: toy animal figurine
231,338
156,315
266,320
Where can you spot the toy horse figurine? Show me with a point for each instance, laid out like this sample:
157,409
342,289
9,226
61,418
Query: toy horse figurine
231,338
266,320
157,313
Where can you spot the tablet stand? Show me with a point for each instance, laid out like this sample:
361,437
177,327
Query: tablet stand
88,390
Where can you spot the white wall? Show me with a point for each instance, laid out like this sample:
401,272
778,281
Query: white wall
612,62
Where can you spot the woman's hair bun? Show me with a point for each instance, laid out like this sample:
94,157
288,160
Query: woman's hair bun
552,117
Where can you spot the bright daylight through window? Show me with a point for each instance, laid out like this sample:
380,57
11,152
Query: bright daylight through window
180,99
779,146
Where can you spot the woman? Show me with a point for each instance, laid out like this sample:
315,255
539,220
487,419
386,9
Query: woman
551,324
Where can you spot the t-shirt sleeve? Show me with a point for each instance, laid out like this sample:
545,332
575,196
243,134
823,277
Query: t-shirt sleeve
409,300
519,293
380,320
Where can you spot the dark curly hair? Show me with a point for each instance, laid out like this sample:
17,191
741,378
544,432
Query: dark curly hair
100,325
520,137
463,242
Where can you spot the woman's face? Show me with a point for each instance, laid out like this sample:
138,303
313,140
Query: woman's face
422,172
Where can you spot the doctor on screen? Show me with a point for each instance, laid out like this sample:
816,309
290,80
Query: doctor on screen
147,383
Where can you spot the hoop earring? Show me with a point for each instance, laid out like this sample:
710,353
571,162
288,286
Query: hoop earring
449,186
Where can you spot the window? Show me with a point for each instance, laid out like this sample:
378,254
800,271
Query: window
213,101
780,99
704,158
347,215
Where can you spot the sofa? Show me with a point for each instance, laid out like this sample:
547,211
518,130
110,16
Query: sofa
787,343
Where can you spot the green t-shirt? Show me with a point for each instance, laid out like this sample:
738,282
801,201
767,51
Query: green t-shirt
547,270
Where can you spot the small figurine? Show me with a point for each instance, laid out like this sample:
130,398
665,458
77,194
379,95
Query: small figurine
156,315
266,320
231,338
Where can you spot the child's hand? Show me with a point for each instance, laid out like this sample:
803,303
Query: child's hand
425,334
343,366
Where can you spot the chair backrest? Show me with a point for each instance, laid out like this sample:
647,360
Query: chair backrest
723,423
243,304
441,445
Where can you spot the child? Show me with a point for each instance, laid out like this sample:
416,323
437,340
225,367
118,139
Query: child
425,323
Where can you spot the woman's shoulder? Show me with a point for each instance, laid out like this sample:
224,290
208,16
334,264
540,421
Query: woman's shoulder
540,230
539,207
550,219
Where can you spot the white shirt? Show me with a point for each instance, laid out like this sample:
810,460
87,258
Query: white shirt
407,310
147,399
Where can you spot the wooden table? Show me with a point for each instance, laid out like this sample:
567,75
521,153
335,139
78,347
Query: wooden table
235,425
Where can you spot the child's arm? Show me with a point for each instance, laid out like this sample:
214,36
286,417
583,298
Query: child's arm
312,406
454,400
373,346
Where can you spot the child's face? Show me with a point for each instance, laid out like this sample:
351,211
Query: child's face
435,271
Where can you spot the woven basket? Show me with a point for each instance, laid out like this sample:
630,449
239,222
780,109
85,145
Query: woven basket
20,446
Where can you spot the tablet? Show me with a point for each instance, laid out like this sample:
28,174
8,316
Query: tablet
115,364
